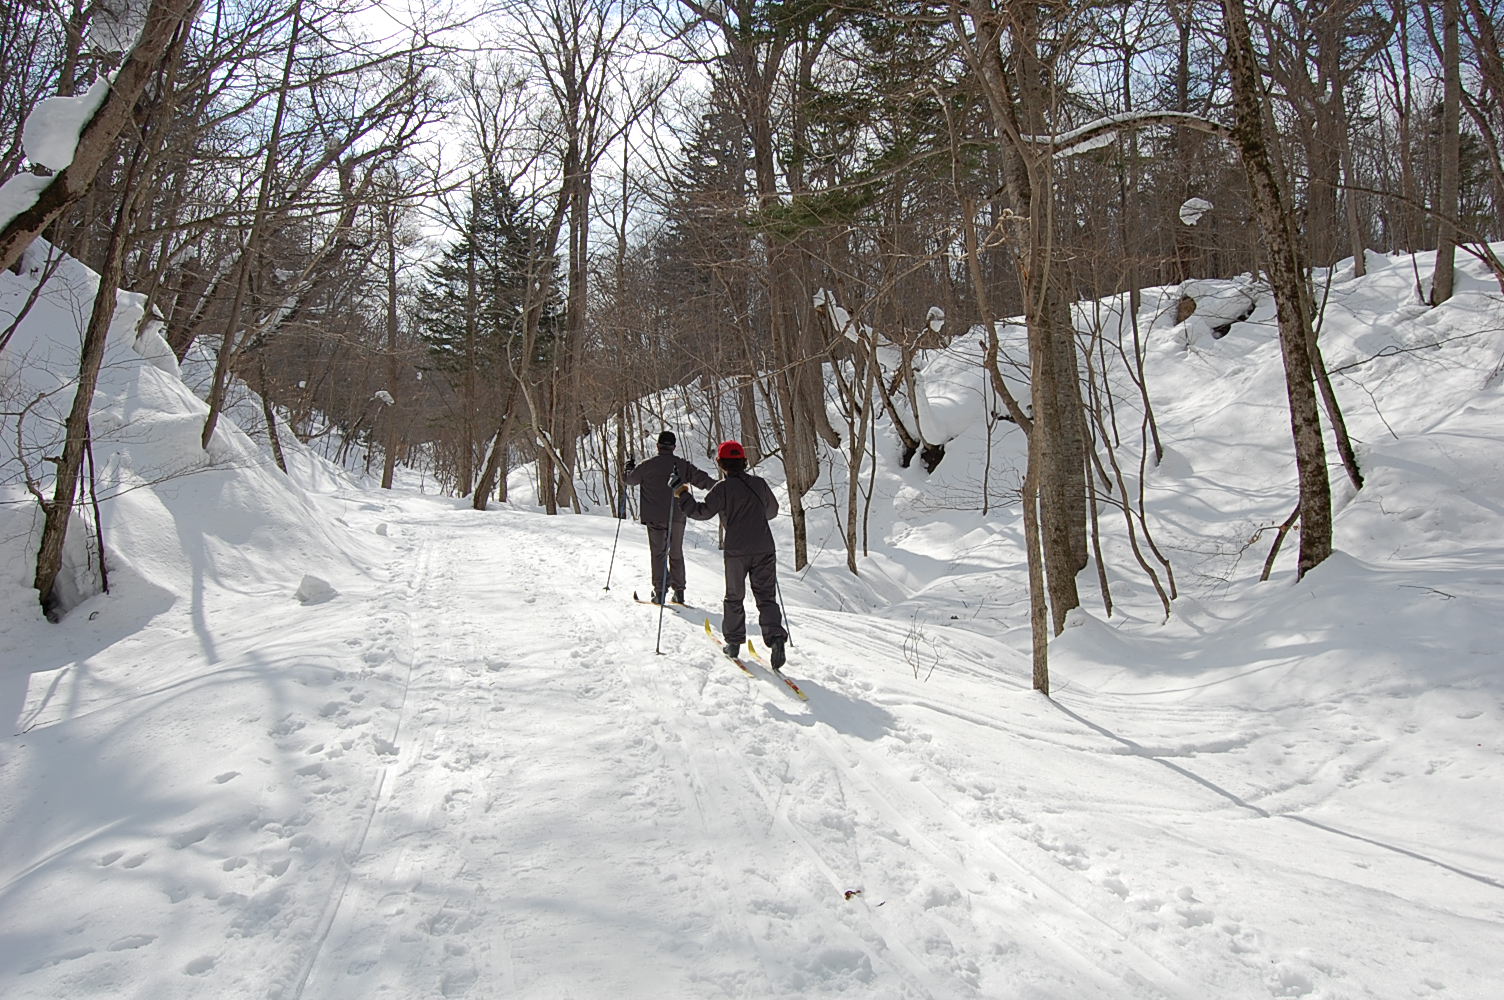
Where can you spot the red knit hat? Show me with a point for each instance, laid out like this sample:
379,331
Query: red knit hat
731,449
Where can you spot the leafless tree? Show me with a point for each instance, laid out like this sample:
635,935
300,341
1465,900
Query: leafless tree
1276,222
165,23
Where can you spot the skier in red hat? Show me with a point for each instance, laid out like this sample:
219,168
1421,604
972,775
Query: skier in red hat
746,504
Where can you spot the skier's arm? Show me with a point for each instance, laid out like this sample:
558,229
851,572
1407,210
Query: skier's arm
769,501
699,478
702,510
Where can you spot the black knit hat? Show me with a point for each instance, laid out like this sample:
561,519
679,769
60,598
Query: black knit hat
667,440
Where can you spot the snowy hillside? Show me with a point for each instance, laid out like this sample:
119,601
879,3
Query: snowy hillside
175,516
478,770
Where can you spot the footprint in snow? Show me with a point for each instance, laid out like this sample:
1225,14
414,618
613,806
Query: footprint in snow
287,726
1192,912
190,837
1285,981
199,966
132,942
70,955
458,982
1115,886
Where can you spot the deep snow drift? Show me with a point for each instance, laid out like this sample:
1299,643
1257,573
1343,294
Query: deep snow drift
470,770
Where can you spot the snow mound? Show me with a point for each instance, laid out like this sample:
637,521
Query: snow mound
173,515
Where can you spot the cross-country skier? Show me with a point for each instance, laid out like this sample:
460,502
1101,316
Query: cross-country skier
656,503
746,504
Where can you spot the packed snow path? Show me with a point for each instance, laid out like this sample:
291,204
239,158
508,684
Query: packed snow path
473,776
569,814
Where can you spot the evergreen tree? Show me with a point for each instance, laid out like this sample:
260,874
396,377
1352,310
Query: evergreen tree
472,299
471,320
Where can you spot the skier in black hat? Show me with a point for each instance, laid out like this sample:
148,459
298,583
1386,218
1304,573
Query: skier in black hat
665,529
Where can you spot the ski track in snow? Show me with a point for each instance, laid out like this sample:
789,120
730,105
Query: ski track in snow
468,773
722,757
473,779
539,819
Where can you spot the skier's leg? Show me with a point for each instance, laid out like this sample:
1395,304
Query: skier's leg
733,611
764,573
676,557
657,552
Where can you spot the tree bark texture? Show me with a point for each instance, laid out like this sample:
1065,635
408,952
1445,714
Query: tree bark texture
96,143
1287,279
76,430
1447,195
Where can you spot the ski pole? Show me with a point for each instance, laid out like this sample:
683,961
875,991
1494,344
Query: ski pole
788,632
621,513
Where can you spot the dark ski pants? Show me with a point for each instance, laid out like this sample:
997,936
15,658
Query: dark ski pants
762,570
658,538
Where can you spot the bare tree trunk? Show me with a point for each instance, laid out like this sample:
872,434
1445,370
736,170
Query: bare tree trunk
1185,25
568,417
469,400
1412,222
746,409
1443,279
1287,280
1039,623
1017,95
96,143
389,458
76,433
494,475
270,416
251,250
1357,242
1333,409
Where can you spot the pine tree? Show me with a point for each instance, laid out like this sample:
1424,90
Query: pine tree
472,297
471,319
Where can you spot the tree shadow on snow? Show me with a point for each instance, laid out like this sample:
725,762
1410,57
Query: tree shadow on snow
1139,750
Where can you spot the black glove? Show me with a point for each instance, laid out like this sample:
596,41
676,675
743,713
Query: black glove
631,463
675,480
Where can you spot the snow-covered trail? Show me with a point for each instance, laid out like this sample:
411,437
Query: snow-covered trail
569,814
471,775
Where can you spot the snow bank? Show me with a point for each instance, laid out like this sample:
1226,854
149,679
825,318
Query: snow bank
174,515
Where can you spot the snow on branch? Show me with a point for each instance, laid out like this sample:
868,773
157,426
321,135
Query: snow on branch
1094,135
83,131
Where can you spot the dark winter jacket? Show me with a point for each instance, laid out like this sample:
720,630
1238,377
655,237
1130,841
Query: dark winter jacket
653,476
746,504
